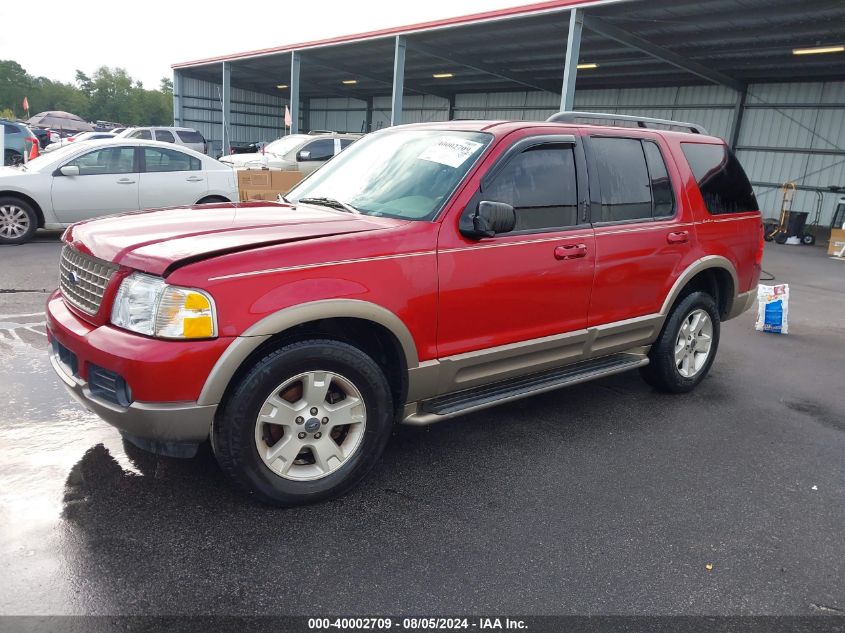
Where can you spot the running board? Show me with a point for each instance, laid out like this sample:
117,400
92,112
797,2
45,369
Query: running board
451,405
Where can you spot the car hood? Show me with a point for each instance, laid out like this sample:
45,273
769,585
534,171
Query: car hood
251,159
160,241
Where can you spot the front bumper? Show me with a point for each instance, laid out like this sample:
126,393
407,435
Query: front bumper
170,423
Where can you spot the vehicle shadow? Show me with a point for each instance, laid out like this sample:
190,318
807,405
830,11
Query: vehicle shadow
174,536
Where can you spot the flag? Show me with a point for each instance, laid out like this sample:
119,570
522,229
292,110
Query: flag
26,104
288,120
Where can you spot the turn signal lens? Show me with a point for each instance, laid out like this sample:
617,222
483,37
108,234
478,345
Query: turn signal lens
184,313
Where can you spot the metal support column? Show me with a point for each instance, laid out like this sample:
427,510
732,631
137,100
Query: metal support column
739,110
178,115
294,92
398,81
227,107
573,51
451,114
368,121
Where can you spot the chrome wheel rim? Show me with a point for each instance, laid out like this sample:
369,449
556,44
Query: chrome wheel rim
310,425
692,347
14,222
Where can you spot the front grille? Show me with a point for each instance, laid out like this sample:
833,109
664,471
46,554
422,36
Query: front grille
83,279
108,385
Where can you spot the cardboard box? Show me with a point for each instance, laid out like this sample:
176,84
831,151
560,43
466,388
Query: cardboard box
283,181
269,195
254,179
837,243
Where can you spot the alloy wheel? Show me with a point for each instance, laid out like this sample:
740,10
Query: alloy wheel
310,425
14,221
692,347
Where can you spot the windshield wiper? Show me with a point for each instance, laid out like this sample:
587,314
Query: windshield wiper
331,203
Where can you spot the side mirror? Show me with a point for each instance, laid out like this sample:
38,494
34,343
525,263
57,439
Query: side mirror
489,219
302,155
69,170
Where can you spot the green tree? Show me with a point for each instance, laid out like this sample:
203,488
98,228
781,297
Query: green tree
109,94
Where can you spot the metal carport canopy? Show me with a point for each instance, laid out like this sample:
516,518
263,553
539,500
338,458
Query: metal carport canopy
634,43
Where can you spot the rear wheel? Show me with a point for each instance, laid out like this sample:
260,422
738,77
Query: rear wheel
18,221
306,423
808,239
686,348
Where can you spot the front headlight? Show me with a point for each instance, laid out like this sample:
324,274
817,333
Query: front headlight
149,305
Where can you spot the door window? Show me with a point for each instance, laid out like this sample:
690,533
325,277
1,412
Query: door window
320,150
721,179
661,185
111,160
165,136
158,160
143,134
624,180
541,185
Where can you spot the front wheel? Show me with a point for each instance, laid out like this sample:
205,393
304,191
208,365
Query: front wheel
18,221
306,423
686,348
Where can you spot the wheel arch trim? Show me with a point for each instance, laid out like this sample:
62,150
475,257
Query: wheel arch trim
278,322
705,263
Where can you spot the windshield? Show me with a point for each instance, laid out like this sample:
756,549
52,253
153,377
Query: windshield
285,144
52,157
407,174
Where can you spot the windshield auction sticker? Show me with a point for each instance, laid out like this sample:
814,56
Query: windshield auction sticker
450,150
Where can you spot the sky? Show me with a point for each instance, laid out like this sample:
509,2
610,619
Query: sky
146,38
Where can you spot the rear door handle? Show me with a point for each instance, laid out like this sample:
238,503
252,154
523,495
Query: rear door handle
678,237
125,181
193,179
571,251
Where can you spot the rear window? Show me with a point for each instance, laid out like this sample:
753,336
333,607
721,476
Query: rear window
721,179
11,129
142,134
190,136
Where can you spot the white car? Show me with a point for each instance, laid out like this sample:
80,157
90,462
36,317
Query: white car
83,136
89,179
295,152
185,136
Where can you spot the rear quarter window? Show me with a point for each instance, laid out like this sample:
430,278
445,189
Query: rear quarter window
190,136
721,179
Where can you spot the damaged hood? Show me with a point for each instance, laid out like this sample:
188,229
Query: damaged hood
154,241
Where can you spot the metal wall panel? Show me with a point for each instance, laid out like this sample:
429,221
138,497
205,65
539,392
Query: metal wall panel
255,116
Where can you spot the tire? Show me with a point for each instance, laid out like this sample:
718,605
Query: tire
808,239
780,238
18,221
212,199
667,370
285,383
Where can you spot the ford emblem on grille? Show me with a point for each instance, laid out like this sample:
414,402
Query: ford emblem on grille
73,278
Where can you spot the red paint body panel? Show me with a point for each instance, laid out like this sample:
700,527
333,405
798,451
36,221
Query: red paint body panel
453,294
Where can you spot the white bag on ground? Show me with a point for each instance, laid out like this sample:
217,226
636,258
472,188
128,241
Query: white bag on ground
773,309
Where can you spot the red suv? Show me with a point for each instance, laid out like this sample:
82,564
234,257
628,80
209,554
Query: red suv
426,272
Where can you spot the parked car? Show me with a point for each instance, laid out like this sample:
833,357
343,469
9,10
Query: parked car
429,271
44,137
299,152
185,136
81,136
88,179
117,130
18,142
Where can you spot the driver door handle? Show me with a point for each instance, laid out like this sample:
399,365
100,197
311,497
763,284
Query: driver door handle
193,179
125,181
571,251
678,237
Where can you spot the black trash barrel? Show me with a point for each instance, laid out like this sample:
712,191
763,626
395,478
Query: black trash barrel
796,222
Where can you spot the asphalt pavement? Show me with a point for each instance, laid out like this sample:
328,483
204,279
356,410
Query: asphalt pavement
605,498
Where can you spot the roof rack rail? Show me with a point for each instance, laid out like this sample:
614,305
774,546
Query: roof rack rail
570,116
